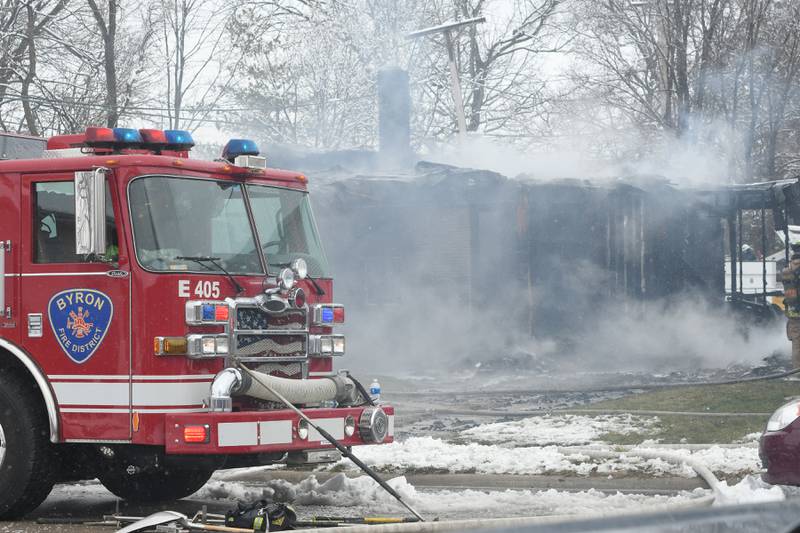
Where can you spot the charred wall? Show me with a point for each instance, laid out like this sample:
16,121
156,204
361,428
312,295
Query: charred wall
507,259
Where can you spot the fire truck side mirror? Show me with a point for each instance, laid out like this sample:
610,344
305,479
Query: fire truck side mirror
90,212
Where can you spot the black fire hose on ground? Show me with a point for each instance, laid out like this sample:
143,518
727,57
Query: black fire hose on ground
347,453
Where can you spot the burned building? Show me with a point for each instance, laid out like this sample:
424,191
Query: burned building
510,258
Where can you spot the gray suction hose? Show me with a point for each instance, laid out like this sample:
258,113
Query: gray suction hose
339,388
232,381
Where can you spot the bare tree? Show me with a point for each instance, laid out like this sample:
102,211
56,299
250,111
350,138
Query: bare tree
198,68
21,24
107,25
687,66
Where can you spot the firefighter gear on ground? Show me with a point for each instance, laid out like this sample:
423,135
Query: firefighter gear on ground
261,516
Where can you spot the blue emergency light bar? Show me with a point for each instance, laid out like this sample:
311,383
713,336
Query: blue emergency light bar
237,147
120,138
127,135
179,138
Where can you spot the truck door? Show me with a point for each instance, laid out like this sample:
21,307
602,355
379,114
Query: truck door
9,253
75,311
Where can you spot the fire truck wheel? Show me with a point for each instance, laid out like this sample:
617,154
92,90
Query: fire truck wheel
26,467
152,486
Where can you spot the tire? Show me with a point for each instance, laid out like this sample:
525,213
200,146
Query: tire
26,464
165,484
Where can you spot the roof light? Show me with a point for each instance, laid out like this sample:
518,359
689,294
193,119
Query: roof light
99,135
110,137
237,147
127,135
179,139
153,136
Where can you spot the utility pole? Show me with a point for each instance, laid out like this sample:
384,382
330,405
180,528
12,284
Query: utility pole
455,85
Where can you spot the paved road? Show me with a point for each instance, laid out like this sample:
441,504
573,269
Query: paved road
90,501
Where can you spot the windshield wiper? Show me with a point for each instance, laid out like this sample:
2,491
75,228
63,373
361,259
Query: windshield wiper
214,261
317,288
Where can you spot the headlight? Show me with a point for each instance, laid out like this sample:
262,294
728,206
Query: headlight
326,345
338,344
208,345
785,415
286,278
204,346
300,268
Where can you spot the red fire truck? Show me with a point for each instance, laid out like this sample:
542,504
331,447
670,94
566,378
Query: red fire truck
137,285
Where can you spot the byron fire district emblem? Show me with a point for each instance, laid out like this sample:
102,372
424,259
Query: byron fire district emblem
80,319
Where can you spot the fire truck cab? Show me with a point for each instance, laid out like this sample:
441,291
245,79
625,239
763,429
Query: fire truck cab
136,285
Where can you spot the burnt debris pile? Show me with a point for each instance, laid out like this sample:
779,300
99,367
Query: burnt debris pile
443,266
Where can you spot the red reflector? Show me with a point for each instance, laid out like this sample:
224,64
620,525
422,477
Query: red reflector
221,313
195,434
338,315
99,134
153,136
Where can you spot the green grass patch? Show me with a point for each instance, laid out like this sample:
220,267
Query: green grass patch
681,429
752,397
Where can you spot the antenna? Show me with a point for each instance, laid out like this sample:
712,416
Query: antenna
455,86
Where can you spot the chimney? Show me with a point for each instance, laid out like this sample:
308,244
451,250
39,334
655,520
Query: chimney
394,117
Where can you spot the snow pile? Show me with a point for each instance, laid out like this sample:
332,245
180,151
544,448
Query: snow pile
726,460
751,489
751,437
431,454
421,454
253,471
565,430
341,491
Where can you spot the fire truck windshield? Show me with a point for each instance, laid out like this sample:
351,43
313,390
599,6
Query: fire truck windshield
286,228
178,218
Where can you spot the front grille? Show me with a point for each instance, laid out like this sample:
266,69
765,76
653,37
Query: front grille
254,319
281,370
271,345
262,336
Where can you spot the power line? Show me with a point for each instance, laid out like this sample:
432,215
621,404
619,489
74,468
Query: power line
91,105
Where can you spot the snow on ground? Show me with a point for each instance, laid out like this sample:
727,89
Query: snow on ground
751,489
564,430
420,454
341,491
751,437
357,496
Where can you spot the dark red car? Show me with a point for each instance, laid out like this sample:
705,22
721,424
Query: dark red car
780,446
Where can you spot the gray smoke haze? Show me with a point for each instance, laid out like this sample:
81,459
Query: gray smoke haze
433,284
601,155
428,333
